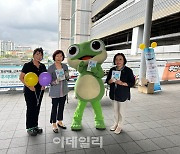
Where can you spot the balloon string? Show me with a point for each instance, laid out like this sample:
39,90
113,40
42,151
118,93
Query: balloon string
37,97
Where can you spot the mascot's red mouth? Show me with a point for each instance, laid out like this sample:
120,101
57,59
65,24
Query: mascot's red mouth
86,57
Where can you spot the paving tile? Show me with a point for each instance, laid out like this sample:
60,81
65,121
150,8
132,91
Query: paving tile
129,127
50,137
20,133
3,151
143,118
6,135
131,147
76,152
147,145
137,135
174,150
174,128
18,142
95,151
7,127
131,120
39,139
73,144
108,140
150,133
113,149
53,148
4,144
99,132
69,133
157,152
36,149
164,131
165,122
175,139
85,132
152,124
155,117
17,150
163,142
122,137
140,126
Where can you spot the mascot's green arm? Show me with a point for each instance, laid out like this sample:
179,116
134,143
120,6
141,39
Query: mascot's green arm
81,67
97,71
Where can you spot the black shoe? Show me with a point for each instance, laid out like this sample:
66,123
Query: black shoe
32,131
63,126
55,130
39,130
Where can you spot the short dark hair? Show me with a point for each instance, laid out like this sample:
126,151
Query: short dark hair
120,54
58,52
38,50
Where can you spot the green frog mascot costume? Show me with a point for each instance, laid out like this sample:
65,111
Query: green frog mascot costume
89,85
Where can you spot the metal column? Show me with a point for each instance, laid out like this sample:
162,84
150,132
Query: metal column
146,35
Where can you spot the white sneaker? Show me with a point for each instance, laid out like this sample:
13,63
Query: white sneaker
118,130
113,128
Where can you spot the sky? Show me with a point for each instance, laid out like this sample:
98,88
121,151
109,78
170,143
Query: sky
31,23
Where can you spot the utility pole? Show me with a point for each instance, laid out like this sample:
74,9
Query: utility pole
146,36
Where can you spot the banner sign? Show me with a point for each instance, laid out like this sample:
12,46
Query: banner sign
171,71
9,76
152,71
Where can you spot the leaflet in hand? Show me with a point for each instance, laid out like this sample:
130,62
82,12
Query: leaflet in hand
91,64
116,75
60,74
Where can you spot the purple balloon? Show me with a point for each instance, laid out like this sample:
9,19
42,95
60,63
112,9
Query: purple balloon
45,79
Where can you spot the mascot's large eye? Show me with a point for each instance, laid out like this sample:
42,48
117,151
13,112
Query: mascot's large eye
73,50
97,45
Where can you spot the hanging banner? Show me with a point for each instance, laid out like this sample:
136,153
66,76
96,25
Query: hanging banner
152,70
171,71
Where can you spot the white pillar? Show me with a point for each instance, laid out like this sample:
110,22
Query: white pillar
82,21
137,38
64,7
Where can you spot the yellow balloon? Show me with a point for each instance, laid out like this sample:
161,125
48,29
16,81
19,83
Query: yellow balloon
153,44
142,46
31,79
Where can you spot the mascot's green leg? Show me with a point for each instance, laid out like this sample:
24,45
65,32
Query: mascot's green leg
99,119
76,124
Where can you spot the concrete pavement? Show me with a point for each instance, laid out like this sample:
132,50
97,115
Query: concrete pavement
152,126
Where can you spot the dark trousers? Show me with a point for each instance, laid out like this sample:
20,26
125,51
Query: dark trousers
32,112
57,109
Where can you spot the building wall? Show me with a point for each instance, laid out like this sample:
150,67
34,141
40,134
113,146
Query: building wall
6,46
64,24
76,26
99,5
131,14
82,21
74,22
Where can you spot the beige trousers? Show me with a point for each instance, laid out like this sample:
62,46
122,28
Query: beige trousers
119,112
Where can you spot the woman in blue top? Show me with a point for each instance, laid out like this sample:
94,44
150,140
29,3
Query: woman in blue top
120,90
58,89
